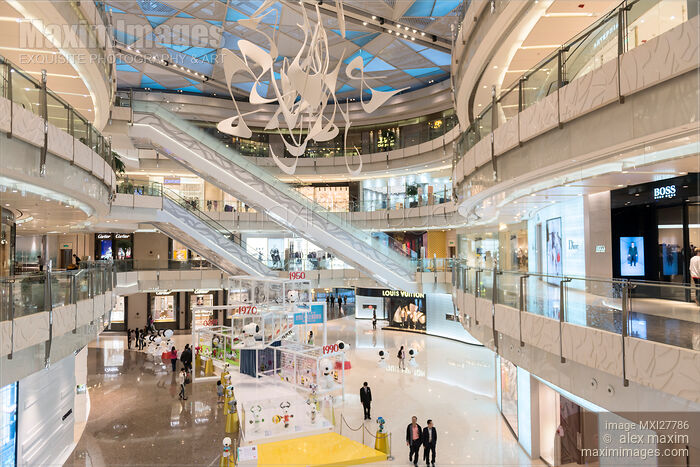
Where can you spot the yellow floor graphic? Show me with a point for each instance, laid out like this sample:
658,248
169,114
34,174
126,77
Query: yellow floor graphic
327,449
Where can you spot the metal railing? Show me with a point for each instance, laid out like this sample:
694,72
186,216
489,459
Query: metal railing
365,431
377,139
612,35
31,94
28,294
208,205
655,311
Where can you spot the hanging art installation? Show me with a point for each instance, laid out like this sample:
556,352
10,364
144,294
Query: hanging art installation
303,88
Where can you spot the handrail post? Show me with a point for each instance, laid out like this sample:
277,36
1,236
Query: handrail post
12,319
562,307
45,116
48,304
521,306
625,330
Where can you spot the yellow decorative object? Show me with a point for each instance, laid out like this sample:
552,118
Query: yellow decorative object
226,461
318,450
198,362
232,423
382,442
209,368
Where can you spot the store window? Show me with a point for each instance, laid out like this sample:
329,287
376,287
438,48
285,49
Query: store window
509,393
180,251
118,312
163,308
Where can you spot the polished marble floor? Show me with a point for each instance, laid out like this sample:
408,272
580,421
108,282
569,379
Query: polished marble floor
137,419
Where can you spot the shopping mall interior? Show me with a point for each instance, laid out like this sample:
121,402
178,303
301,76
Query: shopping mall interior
344,232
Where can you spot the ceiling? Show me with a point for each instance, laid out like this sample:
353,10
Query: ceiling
191,34
62,77
653,161
39,211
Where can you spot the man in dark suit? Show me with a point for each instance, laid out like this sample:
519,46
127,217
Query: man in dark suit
414,436
366,399
429,442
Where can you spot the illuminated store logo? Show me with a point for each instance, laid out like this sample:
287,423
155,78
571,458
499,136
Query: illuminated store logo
121,235
665,192
103,236
401,293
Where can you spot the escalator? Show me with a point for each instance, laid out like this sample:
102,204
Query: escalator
378,255
188,225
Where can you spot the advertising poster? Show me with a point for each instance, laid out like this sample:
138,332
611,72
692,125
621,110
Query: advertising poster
407,310
106,249
276,255
8,427
509,393
203,317
554,247
632,256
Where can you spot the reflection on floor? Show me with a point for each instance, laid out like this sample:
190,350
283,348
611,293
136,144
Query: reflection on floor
136,418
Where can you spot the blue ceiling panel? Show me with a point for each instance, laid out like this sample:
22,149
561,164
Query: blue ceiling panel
364,40
366,56
156,20
437,57
420,72
443,7
421,8
147,82
377,64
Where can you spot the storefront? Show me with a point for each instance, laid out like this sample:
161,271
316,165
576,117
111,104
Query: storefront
291,253
163,308
347,295
8,231
114,246
405,311
119,314
655,228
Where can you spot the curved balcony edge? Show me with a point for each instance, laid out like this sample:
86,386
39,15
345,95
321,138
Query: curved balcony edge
637,81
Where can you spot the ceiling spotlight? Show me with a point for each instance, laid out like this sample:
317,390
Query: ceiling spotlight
422,34
364,23
374,17
405,36
413,38
414,31
406,28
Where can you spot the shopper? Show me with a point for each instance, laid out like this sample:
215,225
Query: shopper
311,338
429,442
219,392
374,319
695,274
402,358
182,380
186,358
173,358
366,399
340,304
332,303
413,439
128,339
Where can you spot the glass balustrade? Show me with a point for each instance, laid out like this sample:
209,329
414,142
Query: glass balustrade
654,311
629,25
27,92
26,294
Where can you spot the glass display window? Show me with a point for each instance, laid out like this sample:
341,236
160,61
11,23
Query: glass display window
119,310
180,251
509,393
163,308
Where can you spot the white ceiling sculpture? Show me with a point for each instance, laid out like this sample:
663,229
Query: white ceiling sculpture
303,88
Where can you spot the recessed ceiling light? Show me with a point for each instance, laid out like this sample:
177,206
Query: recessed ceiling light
364,23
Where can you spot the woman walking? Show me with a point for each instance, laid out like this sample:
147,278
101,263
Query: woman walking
402,358
173,358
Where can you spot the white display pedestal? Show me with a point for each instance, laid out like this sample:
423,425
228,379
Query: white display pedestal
271,404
